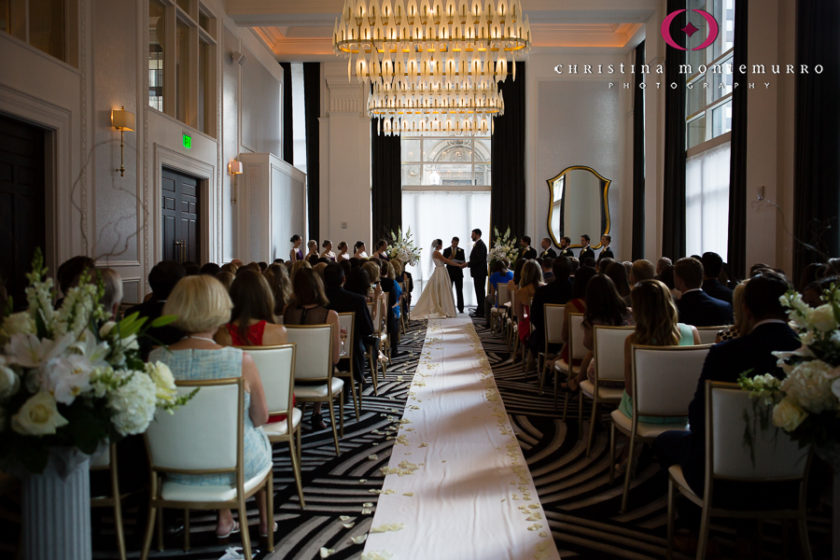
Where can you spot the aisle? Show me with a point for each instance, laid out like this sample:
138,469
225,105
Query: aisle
457,486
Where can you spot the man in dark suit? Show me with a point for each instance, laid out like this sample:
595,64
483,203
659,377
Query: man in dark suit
547,251
456,273
478,270
342,301
558,291
586,251
751,353
696,307
162,279
525,250
712,265
606,252
565,251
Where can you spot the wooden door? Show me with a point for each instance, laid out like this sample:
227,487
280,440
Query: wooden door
181,233
22,210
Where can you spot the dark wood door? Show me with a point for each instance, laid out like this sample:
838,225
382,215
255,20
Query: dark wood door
22,210
181,233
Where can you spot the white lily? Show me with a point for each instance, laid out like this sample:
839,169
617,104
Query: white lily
28,351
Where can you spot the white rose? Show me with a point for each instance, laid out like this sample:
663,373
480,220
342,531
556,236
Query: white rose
133,405
9,380
38,416
809,385
15,323
822,318
164,382
788,416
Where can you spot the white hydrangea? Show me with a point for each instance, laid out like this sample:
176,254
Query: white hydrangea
809,385
133,405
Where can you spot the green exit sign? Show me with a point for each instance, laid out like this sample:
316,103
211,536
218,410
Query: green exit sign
187,141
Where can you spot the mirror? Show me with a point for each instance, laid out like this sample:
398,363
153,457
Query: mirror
578,204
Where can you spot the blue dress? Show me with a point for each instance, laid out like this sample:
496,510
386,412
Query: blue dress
196,364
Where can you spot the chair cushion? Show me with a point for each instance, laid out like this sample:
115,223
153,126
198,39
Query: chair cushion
176,492
276,429
305,392
611,394
644,430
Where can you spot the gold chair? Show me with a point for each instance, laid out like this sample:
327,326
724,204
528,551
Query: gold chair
553,316
347,321
709,334
577,351
107,460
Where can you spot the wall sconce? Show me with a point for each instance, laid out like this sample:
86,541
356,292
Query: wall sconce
122,120
234,167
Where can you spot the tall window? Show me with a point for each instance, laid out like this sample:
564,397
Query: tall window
47,25
445,194
708,124
182,62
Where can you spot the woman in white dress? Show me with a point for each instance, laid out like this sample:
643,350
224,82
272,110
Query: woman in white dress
436,301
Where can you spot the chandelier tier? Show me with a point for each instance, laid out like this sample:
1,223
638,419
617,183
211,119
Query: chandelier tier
450,99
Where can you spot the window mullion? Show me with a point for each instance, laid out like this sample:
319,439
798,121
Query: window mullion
169,55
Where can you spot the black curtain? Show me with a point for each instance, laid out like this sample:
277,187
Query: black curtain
673,223
386,189
639,157
507,175
312,110
736,249
288,131
817,134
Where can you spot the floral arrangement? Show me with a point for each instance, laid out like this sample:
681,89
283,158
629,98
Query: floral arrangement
71,378
806,403
402,247
504,248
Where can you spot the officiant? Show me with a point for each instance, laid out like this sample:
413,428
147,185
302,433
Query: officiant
456,273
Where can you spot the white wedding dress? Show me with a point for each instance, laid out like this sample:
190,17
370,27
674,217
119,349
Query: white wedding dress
436,301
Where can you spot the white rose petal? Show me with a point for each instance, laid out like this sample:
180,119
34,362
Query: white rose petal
822,318
787,415
38,416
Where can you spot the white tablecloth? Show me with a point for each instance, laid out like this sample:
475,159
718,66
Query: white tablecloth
457,485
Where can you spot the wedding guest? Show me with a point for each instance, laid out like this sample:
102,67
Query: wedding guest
358,282
602,265
390,287
359,250
342,300
298,266
252,321
546,264
342,252
113,292
162,279
577,304
499,274
695,306
191,268
202,306
661,264
230,267
226,278
712,268
405,279
642,269
530,280
740,325
69,271
327,252
210,268
558,291
618,274
319,267
281,288
296,253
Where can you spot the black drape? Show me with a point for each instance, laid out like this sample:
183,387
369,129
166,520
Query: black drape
673,223
507,175
386,189
288,130
737,247
312,110
639,157
817,134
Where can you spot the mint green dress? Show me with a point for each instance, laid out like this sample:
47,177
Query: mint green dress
626,406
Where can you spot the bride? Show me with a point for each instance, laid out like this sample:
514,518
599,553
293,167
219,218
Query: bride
436,301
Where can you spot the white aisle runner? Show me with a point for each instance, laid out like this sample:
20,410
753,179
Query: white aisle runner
457,486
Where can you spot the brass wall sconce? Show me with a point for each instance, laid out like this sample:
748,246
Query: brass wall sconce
122,120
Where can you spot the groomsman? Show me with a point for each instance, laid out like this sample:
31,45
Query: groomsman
586,251
606,252
456,273
547,251
525,249
564,247
478,269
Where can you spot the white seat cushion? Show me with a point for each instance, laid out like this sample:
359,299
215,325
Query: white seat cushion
176,492
644,430
281,428
304,392
612,394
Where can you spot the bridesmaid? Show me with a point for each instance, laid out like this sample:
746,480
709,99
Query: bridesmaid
296,254
327,253
342,252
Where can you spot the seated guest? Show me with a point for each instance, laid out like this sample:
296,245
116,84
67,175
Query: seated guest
740,325
547,271
603,264
656,325
618,274
374,272
69,272
695,306
712,267
752,352
403,277
642,269
358,282
210,268
163,278
252,321
297,266
226,278
661,264
309,307
667,278
281,287
231,267
113,295
530,280
342,300
390,287
312,255
202,306
575,305
327,252
342,252
318,268
191,268
559,291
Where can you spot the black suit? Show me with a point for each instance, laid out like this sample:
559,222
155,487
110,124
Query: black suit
342,301
725,362
714,288
567,253
586,252
702,310
548,253
606,253
478,271
528,253
456,274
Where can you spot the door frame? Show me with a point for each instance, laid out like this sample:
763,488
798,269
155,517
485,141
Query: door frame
206,174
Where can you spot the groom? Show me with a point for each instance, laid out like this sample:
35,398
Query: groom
456,273
478,269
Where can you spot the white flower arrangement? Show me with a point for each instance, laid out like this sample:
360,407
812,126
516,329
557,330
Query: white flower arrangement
402,247
806,403
69,378
504,248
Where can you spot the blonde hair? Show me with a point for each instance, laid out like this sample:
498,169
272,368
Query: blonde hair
373,270
319,269
655,314
200,302
531,274
296,266
740,321
398,266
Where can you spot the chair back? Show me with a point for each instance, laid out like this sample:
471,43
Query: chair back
554,315
313,355
576,348
513,303
276,365
175,441
609,351
382,326
776,456
502,294
709,334
346,321
665,378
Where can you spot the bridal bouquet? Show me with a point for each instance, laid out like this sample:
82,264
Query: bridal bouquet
71,378
402,247
806,403
504,247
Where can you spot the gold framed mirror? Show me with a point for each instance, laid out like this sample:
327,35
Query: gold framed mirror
578,203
